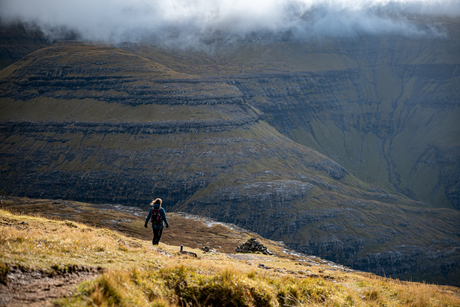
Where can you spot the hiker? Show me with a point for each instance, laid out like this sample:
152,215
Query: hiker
158,216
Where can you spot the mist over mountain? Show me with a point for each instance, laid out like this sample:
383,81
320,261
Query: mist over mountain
186,23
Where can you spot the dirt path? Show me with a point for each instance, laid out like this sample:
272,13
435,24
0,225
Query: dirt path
23,287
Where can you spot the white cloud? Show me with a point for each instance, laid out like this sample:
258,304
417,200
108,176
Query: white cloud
190,21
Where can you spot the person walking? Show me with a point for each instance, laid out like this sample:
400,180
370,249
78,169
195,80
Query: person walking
158,216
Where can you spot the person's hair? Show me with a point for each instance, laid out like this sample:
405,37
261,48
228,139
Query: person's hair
156,201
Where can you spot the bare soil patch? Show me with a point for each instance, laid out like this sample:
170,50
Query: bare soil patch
26,287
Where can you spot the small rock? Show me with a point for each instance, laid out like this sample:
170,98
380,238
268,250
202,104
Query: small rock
263,266
123,242
205,249
189,254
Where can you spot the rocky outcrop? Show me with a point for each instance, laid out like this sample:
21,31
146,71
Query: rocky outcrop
109,75
162,127
96,88
253,246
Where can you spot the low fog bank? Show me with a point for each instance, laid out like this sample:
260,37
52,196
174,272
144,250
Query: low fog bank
192,23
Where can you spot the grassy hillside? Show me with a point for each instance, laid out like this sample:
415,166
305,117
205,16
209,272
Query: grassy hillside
188,230
390,237
136,274
100,124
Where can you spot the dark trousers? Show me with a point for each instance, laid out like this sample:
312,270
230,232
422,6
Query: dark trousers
157,235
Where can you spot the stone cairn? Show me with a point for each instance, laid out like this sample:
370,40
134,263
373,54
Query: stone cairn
252,245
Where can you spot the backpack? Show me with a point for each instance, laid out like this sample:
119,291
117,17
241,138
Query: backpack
156,217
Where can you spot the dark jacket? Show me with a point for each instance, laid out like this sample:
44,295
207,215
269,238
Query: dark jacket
162,215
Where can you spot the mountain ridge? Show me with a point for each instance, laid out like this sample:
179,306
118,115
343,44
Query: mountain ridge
58,144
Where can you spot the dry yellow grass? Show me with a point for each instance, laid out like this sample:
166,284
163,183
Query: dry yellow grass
187,230
139,275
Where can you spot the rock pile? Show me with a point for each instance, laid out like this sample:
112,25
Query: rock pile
252,245
207,249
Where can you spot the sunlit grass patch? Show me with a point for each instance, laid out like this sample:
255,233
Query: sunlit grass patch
37,242
146,276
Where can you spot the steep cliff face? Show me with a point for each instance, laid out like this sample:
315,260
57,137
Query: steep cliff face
390,120
17,42
384,107
106,125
